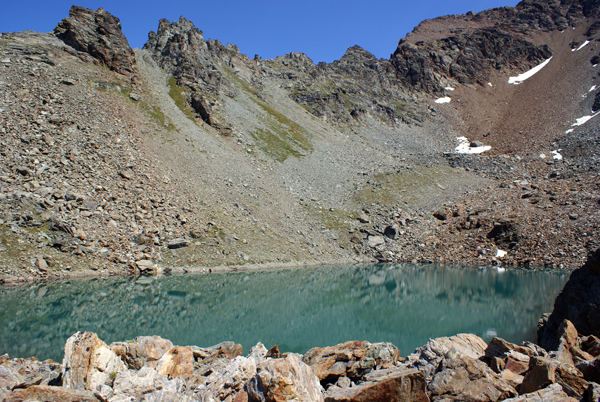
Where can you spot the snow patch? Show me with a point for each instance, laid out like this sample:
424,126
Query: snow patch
519,79
443,100
543,156
592,88
556,155
500,253
569,131
464,147
584,119
581,46
449,89
490,84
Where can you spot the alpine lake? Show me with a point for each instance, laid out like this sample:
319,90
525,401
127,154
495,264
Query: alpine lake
297,309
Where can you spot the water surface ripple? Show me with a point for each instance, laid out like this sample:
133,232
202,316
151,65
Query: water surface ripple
294,308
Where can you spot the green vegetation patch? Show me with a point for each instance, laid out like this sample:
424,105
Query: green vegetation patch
281,137
410,186
157,114
177,94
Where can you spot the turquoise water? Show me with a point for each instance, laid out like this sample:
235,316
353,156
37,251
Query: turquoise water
294,308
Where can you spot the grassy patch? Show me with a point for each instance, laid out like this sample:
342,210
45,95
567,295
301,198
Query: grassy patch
281,137
159,117
177,94
410,186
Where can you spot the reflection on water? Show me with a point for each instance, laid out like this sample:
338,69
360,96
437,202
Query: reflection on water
295,308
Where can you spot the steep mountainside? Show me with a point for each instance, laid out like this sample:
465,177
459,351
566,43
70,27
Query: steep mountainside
188,153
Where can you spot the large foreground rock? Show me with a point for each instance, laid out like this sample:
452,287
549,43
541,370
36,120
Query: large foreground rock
48,393
467,379
99,34
351,359
578,302
285,379
390,385
89,362
143,351
428,357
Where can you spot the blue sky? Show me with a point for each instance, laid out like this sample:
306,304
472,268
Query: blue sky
323,29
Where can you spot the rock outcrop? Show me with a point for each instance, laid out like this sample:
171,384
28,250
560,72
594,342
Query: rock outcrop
457,368
578,302
99,34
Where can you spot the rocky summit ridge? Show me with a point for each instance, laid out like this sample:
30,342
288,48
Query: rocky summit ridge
188,154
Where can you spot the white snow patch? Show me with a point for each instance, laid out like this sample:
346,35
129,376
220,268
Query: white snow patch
490,84
464,147
569,131
556,155
543,156
443,100
500,253
449,89
519,79
592,88
581,46
584,119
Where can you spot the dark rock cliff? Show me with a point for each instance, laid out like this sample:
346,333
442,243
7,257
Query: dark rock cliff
99,34
578,302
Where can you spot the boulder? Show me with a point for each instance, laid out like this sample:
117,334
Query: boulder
145,384
553,393
23,373
351,359
226,384
177,362
143,351
374,241
592,394
578,302
89,362
590,370
591,345
498,347
467,379
428,357
389,385
285,379
541,373
98,33
48,393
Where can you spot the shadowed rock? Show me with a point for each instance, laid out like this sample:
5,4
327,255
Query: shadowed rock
578,302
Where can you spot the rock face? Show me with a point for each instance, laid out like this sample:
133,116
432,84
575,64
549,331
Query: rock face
466,58
51,394
89,362
99,34
350,359
285,379
578,302
143,351
383,385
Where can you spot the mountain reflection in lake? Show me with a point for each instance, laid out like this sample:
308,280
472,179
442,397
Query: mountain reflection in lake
294,308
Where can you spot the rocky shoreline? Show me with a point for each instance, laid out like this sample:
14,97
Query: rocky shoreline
565,366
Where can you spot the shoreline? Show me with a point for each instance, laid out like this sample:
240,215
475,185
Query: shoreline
90,273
